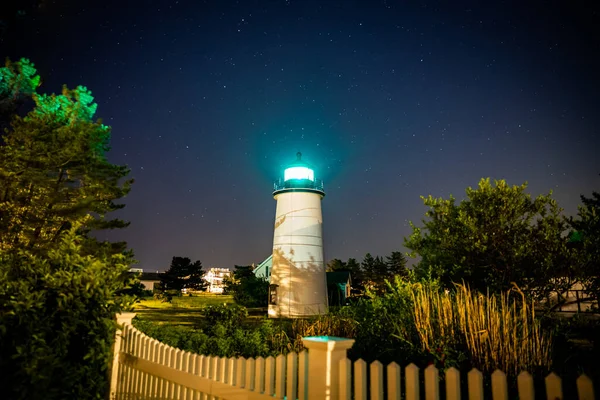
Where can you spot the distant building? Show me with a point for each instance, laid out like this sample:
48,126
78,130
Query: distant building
150,280
338,287
215,278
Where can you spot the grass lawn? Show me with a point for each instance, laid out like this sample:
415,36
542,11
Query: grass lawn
186,310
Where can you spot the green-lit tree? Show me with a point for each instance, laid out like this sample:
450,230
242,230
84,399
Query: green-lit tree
396,265
497,236
183,274
54,174
18,83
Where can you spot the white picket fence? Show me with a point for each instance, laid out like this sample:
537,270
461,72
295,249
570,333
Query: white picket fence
145,369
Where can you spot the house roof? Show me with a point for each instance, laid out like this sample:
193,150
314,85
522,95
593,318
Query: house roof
338,277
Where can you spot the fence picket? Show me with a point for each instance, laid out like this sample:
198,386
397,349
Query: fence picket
122,367
412,382
376,370
280,376
475,380
250,371
162,384
259,383
230,379
270,376
205,374
148,355
525,386
499,386
240,372
185,366
553,387
345,388
452,384
432,383
214,372
222,369
360,380
394,381
137,381
194,369
292,376
585,388
303,375
177,362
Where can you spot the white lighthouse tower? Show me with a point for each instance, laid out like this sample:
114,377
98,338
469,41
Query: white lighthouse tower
298,284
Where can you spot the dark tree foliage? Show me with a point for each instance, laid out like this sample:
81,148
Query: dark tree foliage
58,284
247,289
396,265
497,236
336,265
184,274
586,243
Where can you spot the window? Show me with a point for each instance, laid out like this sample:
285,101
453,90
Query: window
273,294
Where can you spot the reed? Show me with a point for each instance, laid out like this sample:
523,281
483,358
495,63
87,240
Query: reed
498,331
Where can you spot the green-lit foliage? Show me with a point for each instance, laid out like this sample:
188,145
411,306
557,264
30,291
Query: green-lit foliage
18,82
18,79
496,236
54,173
57,321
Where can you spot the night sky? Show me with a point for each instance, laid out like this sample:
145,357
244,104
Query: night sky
389,100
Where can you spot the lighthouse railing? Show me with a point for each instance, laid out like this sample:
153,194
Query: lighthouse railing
281,184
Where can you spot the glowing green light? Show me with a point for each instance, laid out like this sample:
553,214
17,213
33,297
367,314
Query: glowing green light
299,173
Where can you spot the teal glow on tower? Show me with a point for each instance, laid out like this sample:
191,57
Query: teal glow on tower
298,284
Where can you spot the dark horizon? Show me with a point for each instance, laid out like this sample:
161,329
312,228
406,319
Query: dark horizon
208,101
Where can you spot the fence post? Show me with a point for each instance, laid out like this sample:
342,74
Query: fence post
324,356
123,318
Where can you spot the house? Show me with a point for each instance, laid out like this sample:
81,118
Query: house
338,287
263,270
215,278
150,280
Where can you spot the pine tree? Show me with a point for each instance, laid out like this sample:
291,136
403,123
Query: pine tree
54,174
396,265
183,274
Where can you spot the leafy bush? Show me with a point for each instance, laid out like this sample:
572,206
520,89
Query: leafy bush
228,316
57,322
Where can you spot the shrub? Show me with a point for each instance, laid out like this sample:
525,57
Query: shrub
57,322
227,315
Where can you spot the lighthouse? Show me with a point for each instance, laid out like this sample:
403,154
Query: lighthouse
298,284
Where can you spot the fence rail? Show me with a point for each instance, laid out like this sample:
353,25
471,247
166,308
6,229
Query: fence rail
146,369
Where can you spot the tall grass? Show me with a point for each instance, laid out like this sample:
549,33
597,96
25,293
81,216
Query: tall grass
498,331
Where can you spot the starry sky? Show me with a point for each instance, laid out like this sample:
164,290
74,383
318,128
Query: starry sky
388,99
